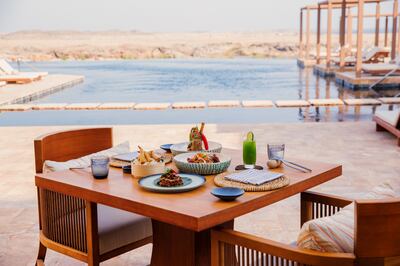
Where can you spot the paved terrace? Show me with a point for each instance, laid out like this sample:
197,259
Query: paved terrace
368,158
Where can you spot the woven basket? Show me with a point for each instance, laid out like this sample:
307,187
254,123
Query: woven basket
220,181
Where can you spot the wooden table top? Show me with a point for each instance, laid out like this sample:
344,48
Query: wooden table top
196,210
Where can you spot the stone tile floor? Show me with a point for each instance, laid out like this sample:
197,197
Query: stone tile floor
368,158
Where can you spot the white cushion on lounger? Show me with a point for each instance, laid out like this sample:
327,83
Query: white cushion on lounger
391,117
118,228
335,233
7,68
53,166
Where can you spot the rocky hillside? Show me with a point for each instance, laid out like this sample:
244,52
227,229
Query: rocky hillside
39,45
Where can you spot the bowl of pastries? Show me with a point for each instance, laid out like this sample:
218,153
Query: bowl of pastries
147,163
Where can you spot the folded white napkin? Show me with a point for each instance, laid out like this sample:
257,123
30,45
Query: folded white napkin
253,176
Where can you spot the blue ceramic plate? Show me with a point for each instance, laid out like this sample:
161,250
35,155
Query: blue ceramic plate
190,182
166,147
227,193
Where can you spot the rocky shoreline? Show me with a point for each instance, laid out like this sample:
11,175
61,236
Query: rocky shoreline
45,46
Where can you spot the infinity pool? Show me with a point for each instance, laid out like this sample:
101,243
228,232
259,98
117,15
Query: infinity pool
186,80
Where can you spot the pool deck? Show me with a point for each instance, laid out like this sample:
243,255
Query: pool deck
368,158
23,93
333,102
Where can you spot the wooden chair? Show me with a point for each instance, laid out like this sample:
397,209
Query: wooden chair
73,226
388,121
377,237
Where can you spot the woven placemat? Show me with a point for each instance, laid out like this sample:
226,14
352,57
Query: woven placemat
220,181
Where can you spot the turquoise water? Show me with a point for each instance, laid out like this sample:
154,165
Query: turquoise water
186,80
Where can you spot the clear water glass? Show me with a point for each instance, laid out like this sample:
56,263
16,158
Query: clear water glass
276,151
100,166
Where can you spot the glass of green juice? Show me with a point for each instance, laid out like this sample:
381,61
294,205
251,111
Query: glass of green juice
249,151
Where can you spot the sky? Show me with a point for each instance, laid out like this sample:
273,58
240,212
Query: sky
151,15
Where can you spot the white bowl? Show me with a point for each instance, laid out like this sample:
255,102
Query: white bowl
141,170
182,147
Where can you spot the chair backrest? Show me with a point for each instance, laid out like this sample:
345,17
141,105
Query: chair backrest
72,144
6,67
377,228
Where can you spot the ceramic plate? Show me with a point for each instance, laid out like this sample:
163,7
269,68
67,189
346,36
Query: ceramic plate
190,182
182,147
166,147
115,162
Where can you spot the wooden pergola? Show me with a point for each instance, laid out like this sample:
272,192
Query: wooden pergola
344,5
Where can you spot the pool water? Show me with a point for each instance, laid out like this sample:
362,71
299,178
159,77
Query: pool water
173,80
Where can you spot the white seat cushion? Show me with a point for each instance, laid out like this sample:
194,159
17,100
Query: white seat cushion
336,233
52,166
118,228
391,117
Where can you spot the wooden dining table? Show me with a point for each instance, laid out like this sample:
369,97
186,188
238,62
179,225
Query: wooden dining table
182,222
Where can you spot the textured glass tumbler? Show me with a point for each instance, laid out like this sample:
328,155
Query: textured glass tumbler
100,166
276,151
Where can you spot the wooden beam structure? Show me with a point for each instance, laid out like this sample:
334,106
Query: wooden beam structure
394,28
319,35
346,28
349,29
301,35
386,31
308,33
377,23
329,34
342,34
360,15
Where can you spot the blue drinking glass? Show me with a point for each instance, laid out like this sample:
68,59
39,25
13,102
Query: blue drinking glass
100,166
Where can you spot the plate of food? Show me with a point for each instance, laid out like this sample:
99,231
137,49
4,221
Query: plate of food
202,163
197,142
122,160
171,182
147,163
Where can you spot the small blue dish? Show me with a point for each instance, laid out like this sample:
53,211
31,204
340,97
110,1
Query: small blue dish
127,169
227,193
166,147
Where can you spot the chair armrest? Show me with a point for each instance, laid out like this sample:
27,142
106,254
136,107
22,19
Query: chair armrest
316,205
249,247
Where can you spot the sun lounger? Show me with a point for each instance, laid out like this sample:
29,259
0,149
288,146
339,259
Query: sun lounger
374,55
380,69
19,78
2,83
7,69
388,121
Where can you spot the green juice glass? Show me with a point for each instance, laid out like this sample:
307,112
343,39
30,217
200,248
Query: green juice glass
249,151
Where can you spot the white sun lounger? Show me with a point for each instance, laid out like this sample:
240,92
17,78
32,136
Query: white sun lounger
374,55
19,78
389,121
380,69
7,69
2,83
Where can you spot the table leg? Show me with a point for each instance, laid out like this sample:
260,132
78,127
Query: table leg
173,245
